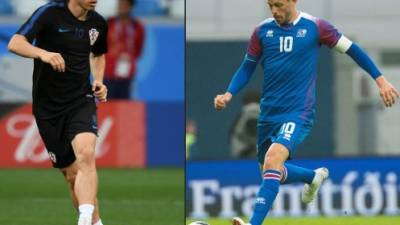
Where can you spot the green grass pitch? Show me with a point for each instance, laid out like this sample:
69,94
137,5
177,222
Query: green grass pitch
127,197
378,220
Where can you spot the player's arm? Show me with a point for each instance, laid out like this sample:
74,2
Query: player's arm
238,82
97,67
332,38
387,91
20,46
98,63
20,43
243,74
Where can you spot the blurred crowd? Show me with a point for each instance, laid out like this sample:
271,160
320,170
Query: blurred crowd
144,8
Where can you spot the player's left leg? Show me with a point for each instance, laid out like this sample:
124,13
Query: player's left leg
313,179
291,135
293,174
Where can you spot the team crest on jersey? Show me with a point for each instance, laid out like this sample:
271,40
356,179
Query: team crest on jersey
301,33
270,33
93,35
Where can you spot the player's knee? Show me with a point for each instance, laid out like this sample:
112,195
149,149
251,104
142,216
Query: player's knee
85,155
275,157
273,161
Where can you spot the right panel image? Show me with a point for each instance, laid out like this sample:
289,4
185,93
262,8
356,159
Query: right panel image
292,112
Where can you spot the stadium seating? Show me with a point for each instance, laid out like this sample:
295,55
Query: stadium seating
6,8
147,8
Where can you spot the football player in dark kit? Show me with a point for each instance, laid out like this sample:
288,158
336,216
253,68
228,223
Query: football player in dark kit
70,43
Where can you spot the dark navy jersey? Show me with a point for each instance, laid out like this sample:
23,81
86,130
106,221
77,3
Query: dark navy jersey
55,29
289,55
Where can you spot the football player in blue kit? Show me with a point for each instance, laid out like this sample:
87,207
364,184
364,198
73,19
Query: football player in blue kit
287,47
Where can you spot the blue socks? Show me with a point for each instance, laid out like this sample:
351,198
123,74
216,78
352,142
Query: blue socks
270,188
293,174
266,196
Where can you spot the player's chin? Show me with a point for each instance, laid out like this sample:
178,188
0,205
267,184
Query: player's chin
279,20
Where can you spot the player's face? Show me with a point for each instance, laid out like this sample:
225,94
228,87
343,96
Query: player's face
282,10
88,4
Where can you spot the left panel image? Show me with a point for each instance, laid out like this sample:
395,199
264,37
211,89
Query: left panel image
90,133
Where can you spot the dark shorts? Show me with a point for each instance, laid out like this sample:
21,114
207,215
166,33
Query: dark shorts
58,133
290,134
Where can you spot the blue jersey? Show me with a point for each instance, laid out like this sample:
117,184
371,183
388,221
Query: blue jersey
288,55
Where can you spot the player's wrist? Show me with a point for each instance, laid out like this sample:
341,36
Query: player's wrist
98,81
228,96
380,80
41,53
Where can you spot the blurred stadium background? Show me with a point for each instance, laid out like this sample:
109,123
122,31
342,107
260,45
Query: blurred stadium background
354,135
140,148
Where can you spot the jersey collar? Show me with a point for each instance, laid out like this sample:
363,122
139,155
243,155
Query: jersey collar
298,18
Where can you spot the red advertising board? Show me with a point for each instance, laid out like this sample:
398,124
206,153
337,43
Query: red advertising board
121,137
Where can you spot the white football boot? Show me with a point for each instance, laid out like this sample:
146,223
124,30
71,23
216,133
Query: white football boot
310,191
238,221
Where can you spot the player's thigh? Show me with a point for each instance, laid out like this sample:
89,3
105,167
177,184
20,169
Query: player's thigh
82,129
276,155
266,133
53,135
290,134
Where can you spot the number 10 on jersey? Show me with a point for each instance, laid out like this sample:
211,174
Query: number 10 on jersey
286,44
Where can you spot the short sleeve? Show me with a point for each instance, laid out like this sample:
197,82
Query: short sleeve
36,23
254,48
100,46
328,34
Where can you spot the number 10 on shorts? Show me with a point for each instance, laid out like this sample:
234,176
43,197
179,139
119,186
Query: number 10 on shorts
287,130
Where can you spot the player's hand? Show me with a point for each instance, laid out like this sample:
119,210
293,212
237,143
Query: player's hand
220,101
99,90
54,59
387,91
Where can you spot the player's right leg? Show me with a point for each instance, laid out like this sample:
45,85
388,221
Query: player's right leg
70,173
86,180
274,159
62,155
276,155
